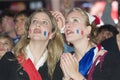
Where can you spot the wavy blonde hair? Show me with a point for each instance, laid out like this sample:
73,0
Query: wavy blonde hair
55,45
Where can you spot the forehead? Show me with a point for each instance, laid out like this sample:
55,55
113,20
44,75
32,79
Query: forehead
75,14
6,17
19,16
41,15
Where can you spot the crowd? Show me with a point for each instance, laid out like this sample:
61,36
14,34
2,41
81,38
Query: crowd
45,45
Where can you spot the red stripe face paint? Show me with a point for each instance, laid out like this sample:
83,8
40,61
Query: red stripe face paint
48,34
82,32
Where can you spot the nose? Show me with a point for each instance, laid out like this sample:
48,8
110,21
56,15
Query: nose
38,24
68,25
1,44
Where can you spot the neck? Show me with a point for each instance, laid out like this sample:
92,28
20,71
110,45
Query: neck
82,48
37,49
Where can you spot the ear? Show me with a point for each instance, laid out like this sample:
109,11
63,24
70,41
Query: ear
88,29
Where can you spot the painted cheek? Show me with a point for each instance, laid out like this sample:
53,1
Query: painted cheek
77,31
82,32
46,34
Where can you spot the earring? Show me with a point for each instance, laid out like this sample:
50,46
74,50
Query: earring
88,36
28,36
68,43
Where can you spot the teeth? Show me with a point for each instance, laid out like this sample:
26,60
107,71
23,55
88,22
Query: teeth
37,31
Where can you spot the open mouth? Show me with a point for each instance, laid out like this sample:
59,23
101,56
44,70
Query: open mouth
68,32
36,31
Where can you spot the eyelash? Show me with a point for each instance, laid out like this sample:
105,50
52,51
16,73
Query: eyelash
75,20
42,22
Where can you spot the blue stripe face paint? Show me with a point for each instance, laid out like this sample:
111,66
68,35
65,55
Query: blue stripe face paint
77,31
45,33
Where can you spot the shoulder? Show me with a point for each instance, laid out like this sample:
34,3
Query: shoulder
7,57
8,67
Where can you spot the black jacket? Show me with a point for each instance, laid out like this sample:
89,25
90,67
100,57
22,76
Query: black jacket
10,69
110,68
111,45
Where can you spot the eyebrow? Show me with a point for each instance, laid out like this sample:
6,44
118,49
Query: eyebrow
76,17
42,19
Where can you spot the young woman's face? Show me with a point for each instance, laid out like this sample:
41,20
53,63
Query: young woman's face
41,27
75,26
20,24
4,46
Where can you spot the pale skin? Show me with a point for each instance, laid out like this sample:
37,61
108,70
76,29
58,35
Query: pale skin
40,23
69,63
20,24
4,46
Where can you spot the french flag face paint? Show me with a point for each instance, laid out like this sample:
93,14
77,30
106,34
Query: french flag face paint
46,34
82,32
79,32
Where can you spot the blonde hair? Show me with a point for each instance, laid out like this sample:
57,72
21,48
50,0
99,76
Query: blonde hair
94,29
55,45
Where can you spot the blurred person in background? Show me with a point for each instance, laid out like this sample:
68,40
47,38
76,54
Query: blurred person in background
8,24
6,44
20,20
113,44
105,32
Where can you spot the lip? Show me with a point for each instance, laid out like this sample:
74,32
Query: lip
68,32
1,49
37,31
